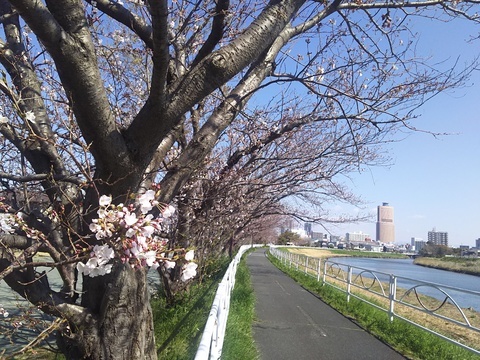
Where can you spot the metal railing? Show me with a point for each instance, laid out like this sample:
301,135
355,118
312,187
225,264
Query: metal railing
396,295
211,343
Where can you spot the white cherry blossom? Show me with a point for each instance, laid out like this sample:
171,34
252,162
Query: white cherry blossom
169,264
168,211
105,200
130,219
189,271
30,116
146,201
189,255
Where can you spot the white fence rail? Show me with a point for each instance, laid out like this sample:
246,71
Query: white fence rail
211,343
394,292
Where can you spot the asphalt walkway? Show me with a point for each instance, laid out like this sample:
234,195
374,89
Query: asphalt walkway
292,323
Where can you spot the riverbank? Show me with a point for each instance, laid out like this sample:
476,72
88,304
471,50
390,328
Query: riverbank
328,253
461,265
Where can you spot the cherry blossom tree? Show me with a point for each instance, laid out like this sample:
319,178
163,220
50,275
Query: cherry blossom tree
114,113
258,177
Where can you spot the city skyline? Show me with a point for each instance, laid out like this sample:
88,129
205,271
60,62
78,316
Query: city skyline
433,180
438,189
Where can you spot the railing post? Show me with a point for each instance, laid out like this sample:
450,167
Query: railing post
349,281
306,264
318,269
392,296
325,271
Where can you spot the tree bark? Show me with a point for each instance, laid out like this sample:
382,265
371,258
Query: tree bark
123,326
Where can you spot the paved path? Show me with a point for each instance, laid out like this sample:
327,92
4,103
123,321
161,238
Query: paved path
294,324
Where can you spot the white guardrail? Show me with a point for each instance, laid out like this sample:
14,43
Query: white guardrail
398,292
211,343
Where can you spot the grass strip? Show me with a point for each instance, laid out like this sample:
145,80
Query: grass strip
412,342
179,328
238,343
461,265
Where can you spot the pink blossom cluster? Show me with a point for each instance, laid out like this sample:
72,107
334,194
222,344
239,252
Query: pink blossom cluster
134,234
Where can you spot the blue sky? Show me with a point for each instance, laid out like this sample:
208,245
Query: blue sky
433,182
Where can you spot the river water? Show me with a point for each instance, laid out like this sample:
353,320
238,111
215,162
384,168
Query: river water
406,268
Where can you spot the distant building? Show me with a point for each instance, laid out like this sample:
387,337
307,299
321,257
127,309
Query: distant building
438,237
335,238
356,236
419,245
385,224
288,225
308,228
300,232
477,243
464,248
414,239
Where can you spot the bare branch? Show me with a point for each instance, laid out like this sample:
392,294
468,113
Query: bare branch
118,12
40,177
216,32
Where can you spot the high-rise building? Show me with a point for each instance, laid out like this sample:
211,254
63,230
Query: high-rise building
385,225
308,228
419,245
438,237
356,236
414,241
477,243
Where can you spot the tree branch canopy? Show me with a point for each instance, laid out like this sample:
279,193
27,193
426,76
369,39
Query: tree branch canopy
211,73
140,134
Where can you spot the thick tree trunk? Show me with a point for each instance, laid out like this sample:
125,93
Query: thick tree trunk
123,328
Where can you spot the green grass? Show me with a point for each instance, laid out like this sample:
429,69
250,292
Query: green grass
238,343
178,328
407,339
